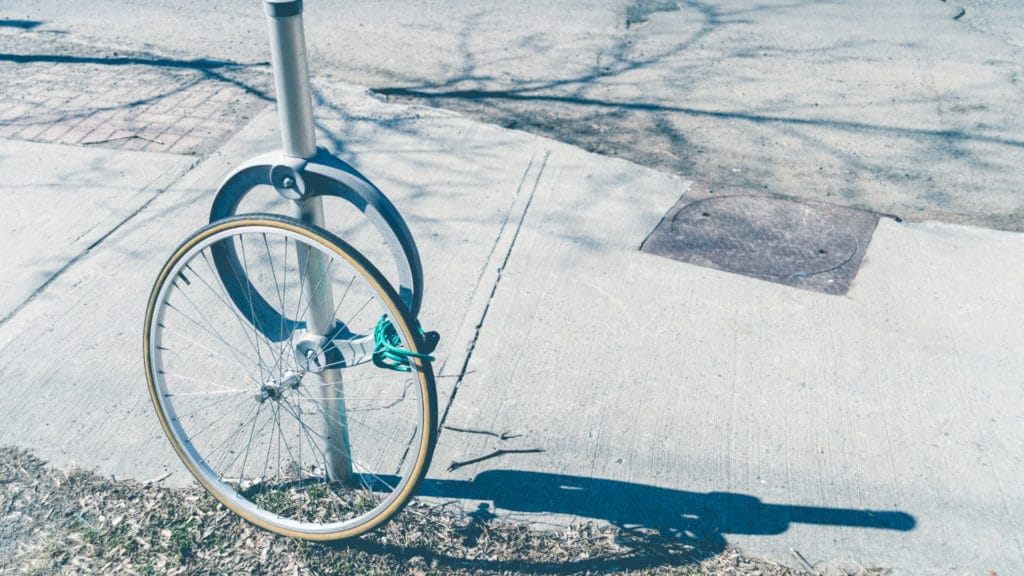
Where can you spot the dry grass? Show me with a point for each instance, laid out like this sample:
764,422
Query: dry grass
76,522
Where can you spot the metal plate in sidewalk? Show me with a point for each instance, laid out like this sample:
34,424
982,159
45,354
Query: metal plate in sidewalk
811,245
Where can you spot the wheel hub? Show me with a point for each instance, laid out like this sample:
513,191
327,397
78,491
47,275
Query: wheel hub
276,389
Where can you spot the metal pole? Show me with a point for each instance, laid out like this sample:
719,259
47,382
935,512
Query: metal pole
295,110
291,77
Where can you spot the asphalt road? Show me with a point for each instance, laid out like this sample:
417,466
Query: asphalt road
910,108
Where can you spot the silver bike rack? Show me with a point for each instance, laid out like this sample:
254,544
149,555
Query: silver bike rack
304,174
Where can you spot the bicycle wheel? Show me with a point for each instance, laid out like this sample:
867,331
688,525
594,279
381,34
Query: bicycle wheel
309,436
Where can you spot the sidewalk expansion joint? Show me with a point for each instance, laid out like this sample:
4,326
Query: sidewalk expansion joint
501,237
67,266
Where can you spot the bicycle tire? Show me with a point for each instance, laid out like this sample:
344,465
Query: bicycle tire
253,461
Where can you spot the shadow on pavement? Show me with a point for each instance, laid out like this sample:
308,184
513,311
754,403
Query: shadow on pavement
207,67
660,526
692,516
22,24
430,94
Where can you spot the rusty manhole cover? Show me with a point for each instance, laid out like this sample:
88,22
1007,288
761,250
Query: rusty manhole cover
810,245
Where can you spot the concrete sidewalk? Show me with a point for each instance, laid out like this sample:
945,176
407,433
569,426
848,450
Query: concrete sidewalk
885,426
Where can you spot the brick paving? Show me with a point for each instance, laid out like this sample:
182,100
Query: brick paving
76,94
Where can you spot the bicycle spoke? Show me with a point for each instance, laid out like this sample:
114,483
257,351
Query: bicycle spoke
240,358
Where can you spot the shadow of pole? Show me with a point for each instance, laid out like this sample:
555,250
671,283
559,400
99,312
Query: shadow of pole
691,516
658,526
21,24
